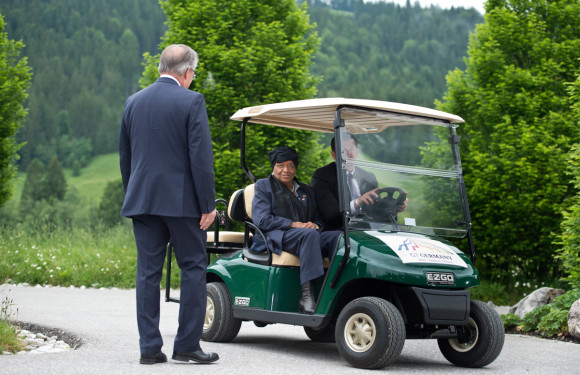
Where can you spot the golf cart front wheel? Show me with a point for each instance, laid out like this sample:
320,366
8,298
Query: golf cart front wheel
370,333
482,340
219,324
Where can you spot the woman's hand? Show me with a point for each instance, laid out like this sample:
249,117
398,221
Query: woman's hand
299,224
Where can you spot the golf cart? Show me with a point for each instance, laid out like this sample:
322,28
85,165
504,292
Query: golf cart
395,275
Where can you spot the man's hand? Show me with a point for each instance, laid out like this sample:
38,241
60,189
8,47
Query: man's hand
403,206
207,220
299,224
366,199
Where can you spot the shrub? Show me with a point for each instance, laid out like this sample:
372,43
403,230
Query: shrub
552,318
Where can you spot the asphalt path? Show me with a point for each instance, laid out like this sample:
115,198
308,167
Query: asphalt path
105,320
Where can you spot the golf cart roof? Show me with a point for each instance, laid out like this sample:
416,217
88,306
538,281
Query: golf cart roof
319,114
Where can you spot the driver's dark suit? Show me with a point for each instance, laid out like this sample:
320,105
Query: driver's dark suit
325,184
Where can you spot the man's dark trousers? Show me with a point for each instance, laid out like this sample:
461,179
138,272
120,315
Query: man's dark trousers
152,233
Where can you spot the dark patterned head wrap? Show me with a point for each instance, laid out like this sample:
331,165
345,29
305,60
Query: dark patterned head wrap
280,154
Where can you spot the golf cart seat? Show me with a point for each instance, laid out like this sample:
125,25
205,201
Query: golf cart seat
220,240
282,259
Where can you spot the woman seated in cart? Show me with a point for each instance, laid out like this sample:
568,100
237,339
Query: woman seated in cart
285,210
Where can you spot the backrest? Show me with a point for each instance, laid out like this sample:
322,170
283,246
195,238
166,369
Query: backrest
248,198
236,207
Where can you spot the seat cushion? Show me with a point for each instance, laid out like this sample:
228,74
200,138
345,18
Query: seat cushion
248,198
227,236
288,259
236,206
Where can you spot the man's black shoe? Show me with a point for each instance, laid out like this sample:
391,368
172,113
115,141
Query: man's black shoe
151,359
197,356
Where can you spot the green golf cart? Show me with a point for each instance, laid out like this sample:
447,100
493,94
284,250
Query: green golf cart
395,275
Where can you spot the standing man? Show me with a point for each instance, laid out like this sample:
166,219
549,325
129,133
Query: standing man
166,162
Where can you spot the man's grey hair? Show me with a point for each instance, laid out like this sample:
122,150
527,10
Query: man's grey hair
176,59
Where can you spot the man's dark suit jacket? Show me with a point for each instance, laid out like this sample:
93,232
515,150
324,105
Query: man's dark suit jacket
263,213
325,184
167,166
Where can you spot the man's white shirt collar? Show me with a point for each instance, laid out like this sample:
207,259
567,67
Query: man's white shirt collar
169,76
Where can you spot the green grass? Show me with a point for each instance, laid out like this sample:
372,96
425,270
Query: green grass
8,339
88,257
92,180
71,257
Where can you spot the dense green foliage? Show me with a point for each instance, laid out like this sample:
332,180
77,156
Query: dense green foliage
14,81
569,253
251,52
519,128
385,51
86,57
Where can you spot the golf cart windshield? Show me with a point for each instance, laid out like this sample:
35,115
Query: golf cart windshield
406,170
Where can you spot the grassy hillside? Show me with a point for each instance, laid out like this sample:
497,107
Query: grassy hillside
91,182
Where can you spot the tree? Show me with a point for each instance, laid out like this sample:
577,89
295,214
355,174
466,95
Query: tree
569,239
519,128
14,81
32,190
251,52
54,182
111,203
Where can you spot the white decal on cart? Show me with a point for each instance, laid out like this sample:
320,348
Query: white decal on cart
420,250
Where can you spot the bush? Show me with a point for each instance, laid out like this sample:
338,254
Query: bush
552,318
569,253
511,321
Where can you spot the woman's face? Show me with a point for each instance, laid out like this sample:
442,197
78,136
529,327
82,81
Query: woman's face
285,172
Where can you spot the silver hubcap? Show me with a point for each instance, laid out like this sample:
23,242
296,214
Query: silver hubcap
209,314
473,332
360,332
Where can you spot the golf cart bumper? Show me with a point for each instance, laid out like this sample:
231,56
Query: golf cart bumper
434,307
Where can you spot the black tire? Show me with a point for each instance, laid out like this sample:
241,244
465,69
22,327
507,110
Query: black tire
325,334
220,324
370,333
485,334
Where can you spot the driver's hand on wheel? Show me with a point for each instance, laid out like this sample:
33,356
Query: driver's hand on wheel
366,199
403,206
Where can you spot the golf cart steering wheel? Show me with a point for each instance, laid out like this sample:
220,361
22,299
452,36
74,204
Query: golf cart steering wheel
386,205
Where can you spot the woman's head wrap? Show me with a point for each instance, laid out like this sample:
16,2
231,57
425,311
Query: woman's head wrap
281,154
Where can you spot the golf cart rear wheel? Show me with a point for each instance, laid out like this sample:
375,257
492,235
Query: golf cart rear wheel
370,333
483,341
219,324
325,334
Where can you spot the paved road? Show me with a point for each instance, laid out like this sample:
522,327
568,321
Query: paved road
105,319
